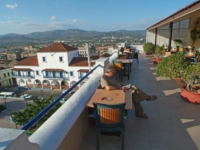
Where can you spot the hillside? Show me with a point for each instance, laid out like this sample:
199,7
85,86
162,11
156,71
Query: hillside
68,34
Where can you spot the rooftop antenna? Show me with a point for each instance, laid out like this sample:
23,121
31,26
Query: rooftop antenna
88,52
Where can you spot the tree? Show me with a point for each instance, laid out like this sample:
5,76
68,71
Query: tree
22,117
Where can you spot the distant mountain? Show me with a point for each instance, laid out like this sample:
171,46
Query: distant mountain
14,38
68,34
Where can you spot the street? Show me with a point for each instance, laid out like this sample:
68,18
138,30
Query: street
17,104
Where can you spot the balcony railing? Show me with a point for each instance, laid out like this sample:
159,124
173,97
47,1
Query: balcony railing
24,76
55,77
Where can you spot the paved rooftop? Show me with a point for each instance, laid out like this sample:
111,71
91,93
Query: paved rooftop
173,124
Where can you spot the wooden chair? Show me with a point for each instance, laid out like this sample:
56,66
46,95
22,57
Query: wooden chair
195,59
109,118
134,55
121,70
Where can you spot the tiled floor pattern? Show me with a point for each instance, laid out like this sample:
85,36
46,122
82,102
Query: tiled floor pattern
172,125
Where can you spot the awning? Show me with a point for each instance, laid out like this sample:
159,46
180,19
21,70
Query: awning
54,70
22,69
83,70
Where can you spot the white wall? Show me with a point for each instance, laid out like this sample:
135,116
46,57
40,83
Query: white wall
150,36
53,131
71,55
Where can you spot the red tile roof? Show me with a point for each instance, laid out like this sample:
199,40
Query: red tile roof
57,47
105,55
94,57
80,61
53,70
83,70
24,69
30,61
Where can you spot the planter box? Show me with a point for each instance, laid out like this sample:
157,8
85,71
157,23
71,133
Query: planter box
190,96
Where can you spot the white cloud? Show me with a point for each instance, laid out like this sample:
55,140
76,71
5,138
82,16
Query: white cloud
29,26
11,6
53,18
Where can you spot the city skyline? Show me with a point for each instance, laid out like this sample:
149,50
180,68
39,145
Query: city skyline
23,17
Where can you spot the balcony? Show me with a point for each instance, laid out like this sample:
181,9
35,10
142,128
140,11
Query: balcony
55,77
173,124
23,76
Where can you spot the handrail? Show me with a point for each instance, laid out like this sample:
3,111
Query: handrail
45,110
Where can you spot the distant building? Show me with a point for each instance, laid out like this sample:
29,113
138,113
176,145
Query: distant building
29,51
82,51
13,55
57,66
6,78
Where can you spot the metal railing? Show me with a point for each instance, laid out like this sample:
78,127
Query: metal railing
45,110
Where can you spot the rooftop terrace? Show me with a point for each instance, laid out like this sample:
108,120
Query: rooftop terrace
172,124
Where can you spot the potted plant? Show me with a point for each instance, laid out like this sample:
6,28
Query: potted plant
177,67
191,93
158,54
193,36
177,43
148,48
172,66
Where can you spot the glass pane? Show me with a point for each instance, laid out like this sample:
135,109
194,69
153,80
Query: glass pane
164,33
184,23
175,33
175,25
183,32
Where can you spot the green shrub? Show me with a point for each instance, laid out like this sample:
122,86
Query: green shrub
189,72
159,49
2,107
148,47
173,66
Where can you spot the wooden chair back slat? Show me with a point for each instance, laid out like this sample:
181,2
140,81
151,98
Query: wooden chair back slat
109,116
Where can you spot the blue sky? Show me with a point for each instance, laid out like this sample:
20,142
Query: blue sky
27,16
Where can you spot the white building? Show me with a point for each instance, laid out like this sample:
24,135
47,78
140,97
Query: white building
55,67
6,78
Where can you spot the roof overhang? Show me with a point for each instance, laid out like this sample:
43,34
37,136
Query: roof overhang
83,70
53,70
195,6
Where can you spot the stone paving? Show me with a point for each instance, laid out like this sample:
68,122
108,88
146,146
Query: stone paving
173,124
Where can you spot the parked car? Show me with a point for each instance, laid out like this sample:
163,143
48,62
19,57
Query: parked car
27,96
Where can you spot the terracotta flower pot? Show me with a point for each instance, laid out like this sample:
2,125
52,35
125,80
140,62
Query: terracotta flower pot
148,53
190,96
156,60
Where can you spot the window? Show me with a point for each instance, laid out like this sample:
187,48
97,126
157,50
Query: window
37,72
61,59
71,73
43,59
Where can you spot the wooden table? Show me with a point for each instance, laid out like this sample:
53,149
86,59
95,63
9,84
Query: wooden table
127,62
118,96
